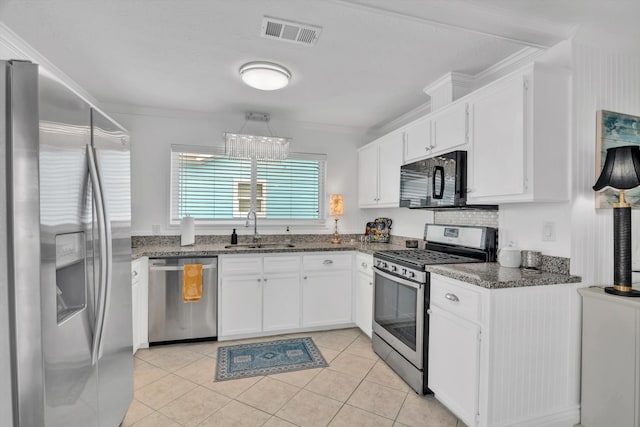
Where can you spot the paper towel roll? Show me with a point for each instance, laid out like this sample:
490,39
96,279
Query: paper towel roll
187,231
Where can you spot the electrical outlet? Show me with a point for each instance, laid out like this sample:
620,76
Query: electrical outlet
548,231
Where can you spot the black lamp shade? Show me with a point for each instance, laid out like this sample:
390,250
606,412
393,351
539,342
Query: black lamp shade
621,169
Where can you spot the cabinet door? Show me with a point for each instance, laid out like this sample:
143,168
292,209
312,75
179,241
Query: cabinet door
449,129
326,298
417,140
454,357
135,313
497,168
368,176
240,305
364,302
281,301
390,160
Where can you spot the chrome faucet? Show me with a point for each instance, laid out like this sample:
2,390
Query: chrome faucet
256,236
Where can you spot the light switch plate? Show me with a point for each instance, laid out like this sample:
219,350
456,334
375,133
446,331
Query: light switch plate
548,231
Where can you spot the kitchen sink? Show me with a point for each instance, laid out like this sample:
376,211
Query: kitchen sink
261,246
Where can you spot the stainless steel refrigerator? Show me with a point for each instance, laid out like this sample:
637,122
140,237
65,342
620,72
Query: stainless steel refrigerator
65,270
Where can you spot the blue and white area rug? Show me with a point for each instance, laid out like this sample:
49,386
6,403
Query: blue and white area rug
264,358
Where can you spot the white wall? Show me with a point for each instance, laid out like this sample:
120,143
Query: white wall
154,131
603,79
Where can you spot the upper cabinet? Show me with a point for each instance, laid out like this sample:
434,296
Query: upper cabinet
379,172
520,138
440,132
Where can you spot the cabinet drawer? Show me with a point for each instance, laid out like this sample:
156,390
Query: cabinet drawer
281,264
455,299
327,261
364,263
240,265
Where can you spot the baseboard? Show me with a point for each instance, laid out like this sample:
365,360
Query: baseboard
286,331
568,417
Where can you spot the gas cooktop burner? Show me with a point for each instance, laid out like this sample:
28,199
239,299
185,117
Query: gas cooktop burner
422,257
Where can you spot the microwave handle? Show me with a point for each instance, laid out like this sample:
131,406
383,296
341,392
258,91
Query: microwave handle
438,170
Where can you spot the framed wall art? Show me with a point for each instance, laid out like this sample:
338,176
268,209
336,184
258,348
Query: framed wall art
615,130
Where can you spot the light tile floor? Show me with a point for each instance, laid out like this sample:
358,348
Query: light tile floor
175,386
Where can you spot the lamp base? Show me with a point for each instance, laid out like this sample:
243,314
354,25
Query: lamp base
613,291
335,239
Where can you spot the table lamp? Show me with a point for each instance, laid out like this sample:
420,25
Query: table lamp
621,172
336,208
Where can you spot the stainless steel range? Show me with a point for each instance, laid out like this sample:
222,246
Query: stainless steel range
401,294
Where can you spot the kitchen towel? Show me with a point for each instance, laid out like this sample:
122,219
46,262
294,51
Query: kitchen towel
191,282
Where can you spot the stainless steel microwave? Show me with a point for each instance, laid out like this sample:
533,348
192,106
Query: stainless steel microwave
436,182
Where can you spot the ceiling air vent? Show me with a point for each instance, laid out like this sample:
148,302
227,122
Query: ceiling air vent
290,31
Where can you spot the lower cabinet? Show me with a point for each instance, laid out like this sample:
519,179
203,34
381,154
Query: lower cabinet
500,357
454,346
258,294
363,306
326,290
610,359
281,301
270,294
140,302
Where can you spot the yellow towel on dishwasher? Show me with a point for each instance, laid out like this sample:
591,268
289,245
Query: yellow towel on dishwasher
192,282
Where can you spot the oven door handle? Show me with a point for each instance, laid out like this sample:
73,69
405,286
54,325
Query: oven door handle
397,279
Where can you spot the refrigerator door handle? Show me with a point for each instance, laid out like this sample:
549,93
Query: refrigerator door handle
97,195
109,255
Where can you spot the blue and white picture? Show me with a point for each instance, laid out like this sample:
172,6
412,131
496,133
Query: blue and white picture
615,130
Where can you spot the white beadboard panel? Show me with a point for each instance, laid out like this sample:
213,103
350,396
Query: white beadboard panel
602,80
535,363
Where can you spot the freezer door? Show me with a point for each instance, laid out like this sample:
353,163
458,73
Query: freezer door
67,252
115,362
21,373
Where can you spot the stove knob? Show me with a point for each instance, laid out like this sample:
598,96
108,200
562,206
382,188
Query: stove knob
385,265
404,271
412,274
394,268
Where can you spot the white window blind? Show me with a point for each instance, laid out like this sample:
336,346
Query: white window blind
207,185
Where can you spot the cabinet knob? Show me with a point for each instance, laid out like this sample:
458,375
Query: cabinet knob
364,265
327,262
451,297
135,273
259,280
265,280
370,283
305,277
427,148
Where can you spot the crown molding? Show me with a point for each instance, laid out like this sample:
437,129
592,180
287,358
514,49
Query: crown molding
512,62
17,48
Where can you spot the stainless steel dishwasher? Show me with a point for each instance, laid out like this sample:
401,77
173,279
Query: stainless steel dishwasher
171,319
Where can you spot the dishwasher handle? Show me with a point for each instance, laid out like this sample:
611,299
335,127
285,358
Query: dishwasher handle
160,267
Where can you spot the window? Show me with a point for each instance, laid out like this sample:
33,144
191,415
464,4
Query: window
209,186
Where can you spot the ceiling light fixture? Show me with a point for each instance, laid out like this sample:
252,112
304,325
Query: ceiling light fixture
244,146
265,75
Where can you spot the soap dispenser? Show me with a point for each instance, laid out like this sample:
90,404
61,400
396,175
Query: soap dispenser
234,237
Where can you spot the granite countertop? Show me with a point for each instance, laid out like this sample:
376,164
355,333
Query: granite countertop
170,248
491,275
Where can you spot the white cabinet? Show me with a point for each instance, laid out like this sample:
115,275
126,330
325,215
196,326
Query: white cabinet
363,315
450,128
417,140
258,294
281,293
140,302
240,305
501,357
610,360
520,138
379,172
442,131
326,289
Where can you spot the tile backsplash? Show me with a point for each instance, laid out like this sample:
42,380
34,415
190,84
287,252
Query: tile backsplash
484,218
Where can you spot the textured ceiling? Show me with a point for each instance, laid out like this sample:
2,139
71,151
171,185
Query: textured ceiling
369,66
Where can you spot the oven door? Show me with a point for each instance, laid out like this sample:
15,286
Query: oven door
398,314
